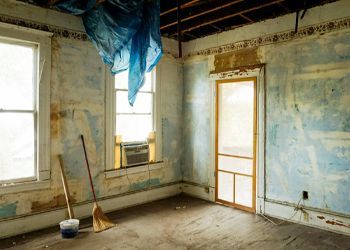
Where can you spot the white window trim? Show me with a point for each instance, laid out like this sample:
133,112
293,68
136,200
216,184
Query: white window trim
43,41
110,171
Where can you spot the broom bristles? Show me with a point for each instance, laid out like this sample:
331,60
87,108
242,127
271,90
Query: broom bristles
100,221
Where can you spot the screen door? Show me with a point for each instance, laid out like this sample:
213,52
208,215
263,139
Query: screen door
235,142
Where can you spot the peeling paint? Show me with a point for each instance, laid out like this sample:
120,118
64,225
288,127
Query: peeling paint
232,60
337,223
144,184
77,106
308,107
57,201
196,122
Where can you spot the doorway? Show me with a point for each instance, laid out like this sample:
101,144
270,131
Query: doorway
236,130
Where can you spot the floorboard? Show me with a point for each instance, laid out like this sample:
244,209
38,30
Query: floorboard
183,222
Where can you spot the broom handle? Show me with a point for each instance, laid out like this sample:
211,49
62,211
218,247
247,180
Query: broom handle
65,188
88,167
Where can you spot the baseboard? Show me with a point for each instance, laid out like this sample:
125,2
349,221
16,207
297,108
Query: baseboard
28,223
310,217
199,191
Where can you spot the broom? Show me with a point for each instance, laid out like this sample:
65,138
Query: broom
100,221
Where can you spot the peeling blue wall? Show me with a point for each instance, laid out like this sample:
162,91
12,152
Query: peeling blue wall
171,107
308,122
196,123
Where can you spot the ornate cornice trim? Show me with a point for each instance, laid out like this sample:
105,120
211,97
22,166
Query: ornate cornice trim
57,31
321,28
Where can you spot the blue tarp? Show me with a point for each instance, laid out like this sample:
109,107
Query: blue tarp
125,32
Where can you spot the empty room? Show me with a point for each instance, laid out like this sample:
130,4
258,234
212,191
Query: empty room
175,124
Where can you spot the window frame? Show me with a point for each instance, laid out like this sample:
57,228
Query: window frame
41,110
111,119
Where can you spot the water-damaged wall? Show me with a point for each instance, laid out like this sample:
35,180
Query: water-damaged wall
307,117
78,106
196,122
308,122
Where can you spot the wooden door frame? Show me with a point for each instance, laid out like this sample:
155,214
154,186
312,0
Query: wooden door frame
255,125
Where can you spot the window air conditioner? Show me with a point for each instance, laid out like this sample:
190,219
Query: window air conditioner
134,153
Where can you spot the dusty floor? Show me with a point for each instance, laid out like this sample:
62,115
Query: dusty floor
197,225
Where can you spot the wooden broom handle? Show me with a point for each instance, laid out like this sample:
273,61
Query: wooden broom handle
88,167
65,187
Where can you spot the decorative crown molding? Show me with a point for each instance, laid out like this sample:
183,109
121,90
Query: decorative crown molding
57,31
317,29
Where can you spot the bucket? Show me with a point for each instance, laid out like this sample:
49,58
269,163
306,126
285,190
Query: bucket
69,228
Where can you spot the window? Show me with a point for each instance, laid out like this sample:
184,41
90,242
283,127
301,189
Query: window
24,106
132,124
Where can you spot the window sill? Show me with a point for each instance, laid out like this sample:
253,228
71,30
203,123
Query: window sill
23,187
134,170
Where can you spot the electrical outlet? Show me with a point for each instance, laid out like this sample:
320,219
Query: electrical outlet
305,195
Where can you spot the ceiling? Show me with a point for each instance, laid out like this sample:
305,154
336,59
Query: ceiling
201,18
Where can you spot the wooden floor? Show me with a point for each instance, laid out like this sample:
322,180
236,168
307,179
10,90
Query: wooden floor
185,223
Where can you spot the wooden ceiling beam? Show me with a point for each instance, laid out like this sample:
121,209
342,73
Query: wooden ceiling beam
215,27
183,6
190,35
232,15
246,18
202,13
179,33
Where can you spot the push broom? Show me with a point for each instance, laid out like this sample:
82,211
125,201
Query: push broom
100,221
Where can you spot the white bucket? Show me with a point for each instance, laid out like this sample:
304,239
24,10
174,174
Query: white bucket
69,228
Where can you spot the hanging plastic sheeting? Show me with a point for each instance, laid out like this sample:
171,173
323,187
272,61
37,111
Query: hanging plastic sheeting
126,34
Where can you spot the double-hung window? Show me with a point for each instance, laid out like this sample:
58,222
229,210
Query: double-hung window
24,106
132,124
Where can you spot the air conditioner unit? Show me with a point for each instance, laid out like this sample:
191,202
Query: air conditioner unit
134,153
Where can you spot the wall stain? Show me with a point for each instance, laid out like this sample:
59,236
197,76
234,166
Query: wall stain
54,118
337,223
57,201
232,60
144,184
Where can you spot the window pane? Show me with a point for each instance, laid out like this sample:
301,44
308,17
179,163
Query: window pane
16,76
143,103
17,147
121,81
148,82
225,188
243,190
238,165
134,127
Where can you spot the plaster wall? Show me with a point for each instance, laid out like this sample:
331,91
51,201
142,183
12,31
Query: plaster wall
307,107
77,106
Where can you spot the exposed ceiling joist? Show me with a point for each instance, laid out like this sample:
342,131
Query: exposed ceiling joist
202,13
201,18
183,6
246,18
232,15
